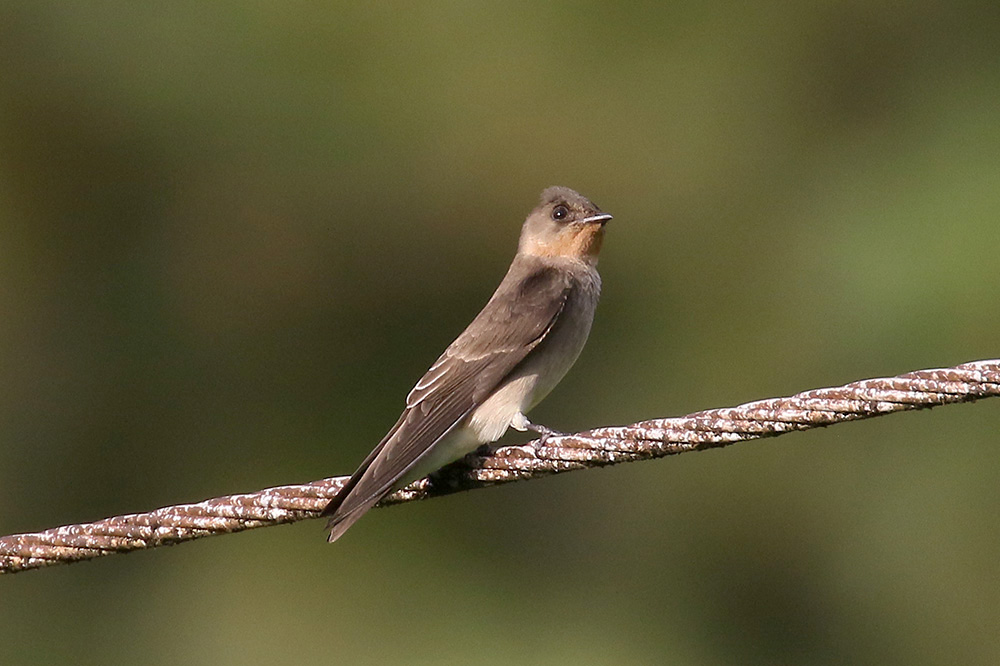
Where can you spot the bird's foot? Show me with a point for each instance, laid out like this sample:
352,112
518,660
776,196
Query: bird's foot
546,433
521,422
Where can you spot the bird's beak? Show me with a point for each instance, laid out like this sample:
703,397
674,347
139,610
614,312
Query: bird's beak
602,218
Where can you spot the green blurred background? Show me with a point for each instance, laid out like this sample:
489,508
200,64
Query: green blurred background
232,235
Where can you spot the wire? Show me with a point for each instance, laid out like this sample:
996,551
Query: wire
562,453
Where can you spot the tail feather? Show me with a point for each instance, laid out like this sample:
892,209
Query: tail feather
331,507
341,516
340,522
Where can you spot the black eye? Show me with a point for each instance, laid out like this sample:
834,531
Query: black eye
560,213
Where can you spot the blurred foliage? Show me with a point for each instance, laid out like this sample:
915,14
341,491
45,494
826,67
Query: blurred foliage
232,235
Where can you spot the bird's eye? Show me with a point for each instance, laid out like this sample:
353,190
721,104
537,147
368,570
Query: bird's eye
560,213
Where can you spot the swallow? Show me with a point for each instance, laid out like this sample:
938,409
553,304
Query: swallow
504,363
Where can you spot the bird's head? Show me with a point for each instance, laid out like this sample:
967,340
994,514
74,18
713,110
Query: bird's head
565,224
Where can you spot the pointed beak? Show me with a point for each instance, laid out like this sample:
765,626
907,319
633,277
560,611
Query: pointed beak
601,219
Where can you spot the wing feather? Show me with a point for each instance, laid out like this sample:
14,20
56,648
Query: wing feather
517,318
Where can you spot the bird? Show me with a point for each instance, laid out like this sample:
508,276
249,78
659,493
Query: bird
505,362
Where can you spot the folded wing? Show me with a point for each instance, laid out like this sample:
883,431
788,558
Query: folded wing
515,320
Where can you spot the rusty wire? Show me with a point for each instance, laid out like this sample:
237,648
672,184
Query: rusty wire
592,448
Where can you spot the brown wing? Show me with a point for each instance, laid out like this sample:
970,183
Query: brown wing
518,316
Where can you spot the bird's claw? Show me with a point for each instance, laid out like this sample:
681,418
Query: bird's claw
546,433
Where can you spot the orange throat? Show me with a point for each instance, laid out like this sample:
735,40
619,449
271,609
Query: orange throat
584,244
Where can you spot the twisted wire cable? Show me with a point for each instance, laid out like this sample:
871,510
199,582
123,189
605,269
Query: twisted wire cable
592,448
